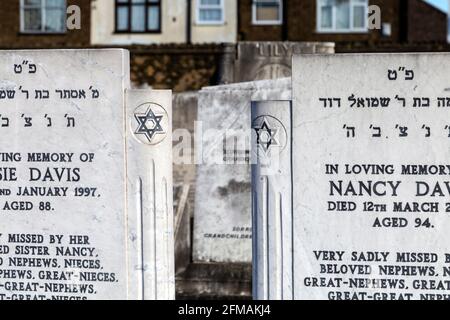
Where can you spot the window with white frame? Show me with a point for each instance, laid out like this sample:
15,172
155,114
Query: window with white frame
210,11
138,16
342,15
43,16
267,12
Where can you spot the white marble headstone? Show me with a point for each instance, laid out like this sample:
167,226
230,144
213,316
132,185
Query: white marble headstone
371,150
85,179
222,217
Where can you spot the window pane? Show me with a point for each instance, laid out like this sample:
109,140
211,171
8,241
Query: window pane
210,2
137,18
342,14
55,20
32,19
327,3
267,11
122,19
153,18
358,17
35,3
210,15
326,15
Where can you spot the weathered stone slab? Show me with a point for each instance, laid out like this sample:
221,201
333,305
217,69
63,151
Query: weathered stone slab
222,218
272,60
86,187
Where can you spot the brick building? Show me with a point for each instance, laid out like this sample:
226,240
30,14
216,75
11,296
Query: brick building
179,44
178,65
405,24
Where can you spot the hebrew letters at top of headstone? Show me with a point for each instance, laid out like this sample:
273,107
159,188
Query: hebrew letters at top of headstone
371,176
62,175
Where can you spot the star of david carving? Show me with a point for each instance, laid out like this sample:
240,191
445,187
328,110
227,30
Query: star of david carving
266,136
149,124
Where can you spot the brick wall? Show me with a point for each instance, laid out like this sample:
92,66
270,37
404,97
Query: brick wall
177,67
11,37
249,32
425,22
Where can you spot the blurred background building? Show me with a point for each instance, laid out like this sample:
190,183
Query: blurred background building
186,45
179,44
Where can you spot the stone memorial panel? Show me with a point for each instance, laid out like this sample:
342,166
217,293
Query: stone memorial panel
263,60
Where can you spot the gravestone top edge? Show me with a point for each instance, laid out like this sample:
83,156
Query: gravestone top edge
251,85
66,50
327,43
369,54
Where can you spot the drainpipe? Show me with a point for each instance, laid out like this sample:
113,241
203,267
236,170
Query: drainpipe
285,27
189,22
403,21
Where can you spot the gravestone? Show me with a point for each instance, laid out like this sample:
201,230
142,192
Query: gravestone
370,137
272,212
270,59
222,216
184,118
86,179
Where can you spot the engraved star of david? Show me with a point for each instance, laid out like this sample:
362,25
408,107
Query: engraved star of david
266,136
149,124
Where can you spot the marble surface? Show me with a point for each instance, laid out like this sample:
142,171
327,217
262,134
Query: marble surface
369,176
222,217
272,200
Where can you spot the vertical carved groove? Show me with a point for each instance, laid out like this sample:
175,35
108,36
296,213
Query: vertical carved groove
155,228
279,245
140,237
255,237
291,203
